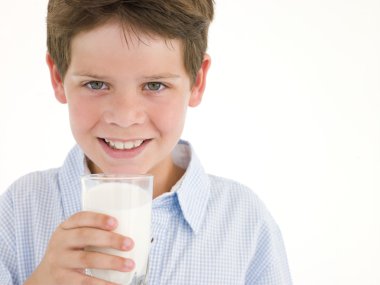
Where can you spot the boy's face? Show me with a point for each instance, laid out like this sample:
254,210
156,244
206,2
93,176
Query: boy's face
127,100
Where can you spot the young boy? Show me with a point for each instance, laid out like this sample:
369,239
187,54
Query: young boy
128,70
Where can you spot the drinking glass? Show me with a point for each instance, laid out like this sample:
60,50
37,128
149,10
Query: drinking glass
128,198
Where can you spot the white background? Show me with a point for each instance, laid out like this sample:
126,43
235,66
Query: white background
291,109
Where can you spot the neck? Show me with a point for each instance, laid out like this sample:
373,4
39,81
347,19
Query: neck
163,182
166,175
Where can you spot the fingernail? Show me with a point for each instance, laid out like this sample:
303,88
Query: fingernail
111,222
127,244
129,264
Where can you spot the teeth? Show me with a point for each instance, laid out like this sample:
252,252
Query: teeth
123,145
119,145
128,145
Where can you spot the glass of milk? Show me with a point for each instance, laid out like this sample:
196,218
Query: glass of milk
129,200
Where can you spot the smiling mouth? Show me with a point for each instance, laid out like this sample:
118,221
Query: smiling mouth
119,145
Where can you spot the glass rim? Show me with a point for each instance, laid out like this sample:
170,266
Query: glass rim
106,176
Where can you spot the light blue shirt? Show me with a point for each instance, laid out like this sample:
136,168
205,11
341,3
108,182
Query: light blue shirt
207,231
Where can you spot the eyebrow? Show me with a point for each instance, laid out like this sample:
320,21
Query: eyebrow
92,75
148,78
161,76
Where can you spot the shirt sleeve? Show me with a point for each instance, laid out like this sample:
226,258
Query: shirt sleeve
8,256
273,274
269,264
5,275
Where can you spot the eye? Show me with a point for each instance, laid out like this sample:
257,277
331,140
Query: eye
154,86
96,85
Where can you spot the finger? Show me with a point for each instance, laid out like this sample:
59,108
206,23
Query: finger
90,219
80,238
81,278
95,281
96,260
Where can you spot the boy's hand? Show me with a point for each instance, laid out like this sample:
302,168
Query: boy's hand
65,258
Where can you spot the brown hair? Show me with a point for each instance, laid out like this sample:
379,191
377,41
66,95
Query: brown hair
186,20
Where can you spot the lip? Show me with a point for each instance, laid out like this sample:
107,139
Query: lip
125,153
122,140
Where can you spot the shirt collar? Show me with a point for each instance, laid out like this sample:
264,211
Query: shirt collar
69,182
192,190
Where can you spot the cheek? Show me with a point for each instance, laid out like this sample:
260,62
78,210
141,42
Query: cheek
171,118
83,115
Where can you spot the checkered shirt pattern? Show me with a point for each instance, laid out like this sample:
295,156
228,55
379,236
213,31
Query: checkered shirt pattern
207,231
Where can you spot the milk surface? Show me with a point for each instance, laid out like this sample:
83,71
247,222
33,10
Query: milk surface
131,206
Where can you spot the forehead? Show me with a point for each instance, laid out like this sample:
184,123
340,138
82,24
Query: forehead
114,42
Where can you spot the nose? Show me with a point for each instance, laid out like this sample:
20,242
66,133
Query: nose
125,110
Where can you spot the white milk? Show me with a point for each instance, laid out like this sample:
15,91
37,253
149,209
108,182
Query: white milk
131,206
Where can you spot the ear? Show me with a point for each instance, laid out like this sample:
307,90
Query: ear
200,82
56,80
